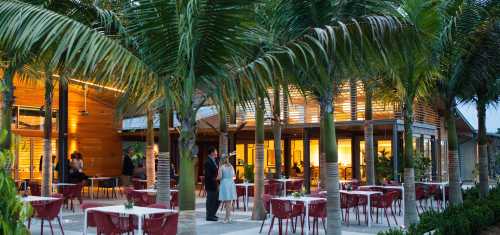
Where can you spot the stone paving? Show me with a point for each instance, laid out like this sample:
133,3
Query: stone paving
241,225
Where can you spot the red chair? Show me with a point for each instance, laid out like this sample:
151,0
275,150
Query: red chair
138,184
272,188
384,201
317,211
202,192
71,193
35,189
90,214
111,223
128,193
266,199
294,186
397,198
143,198
420,195
347,202
163,225
438,197
47,211
174,200
283,210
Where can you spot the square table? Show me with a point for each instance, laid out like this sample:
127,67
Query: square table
92,179
284,181
441,185
152,190
37,198
306,200
246,185
55,185
138,211
398,187
367,194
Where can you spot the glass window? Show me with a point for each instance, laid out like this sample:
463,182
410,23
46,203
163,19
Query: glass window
31,118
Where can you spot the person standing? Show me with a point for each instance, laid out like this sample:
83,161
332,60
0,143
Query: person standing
127,167
227,192
211,169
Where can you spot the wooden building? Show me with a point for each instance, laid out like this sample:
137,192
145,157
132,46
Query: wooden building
300,135
92,128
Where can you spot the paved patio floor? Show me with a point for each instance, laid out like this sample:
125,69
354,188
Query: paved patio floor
241,225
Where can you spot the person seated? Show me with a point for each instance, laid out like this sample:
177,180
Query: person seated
296,169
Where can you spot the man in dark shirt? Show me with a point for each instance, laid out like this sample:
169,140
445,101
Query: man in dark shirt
211,170
128,168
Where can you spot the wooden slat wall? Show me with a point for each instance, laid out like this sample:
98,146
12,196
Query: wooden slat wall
94,135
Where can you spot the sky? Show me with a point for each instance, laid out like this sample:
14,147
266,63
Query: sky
492,116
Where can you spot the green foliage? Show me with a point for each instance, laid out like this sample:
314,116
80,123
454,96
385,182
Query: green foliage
13,213
472,217
422,165
392,231
383,166
138,154
248,172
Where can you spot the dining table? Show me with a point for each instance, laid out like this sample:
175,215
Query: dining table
366,194
99,178
246,185
304,199
138,211
284,181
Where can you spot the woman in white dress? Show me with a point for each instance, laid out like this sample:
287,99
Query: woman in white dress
227,189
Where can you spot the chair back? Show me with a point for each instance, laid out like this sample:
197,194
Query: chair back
318,209
165,224
138,184
35,189
419,192
90,215
272,188
281,208
348,201
104,223
174,200
266,199
48,210
158,205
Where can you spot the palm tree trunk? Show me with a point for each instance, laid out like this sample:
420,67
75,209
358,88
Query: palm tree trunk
277,131
453,165
368,129
330,147
482,148
187,204
223,134
47,137
7,100
163,181
410,216
150,142
259,212
322,156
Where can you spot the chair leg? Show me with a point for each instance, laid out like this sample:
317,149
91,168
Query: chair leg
387,217
286,228
395,221
60,225
324,224
29,223
271,226
51,229
41,227
262,225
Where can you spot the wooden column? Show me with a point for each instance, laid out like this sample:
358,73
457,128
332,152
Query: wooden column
62,137
356,161
433,157
307,159
288,156
394,145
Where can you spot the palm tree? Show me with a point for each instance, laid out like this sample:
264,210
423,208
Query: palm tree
467,22
411,70
150,141
368,130
47,136
258,211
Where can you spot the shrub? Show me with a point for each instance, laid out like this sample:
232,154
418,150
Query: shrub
392,231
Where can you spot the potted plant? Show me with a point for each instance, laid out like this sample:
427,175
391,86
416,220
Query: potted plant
248,172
